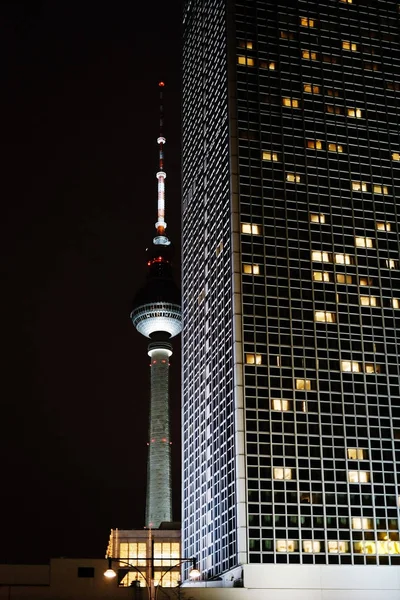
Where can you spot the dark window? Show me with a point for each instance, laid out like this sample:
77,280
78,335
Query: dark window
85,571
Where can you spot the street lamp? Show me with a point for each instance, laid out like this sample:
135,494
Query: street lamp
111,574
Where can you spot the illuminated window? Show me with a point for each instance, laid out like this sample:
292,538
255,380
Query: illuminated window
311,89
285,545
219,248
309,55
364,242
356,453
350,366
396,156
365,281
287,35
380,189
361,523
303,384
282,473
133,552
359,186
395,303
293,177
371,368
251,269
343,259
251,228
270,156
334,93
267,65
358,476
385,226
293,102
341,278
246,60
335,547
282,405
386,546
317,218
335,148
349,46
391,263
311,546
334,110
354,112
321,276
346,1
306,22
249,45
314,144
253,359
320,256
369,301
323,316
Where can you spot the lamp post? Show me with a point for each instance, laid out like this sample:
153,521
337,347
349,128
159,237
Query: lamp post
110,573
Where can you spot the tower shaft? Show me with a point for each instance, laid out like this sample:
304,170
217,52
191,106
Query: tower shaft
159,493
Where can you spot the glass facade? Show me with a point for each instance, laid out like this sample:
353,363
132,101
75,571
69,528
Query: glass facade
291,282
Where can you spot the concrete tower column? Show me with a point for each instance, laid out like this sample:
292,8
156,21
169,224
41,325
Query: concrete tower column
159,496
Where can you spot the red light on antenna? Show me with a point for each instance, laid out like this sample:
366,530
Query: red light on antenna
161,84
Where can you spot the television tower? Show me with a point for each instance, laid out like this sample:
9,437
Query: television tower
156,314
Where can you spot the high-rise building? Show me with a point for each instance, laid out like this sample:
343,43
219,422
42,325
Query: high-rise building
291,293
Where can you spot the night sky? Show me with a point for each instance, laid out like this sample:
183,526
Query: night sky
79,122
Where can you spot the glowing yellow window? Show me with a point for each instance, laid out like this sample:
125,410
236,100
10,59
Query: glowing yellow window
350,366
335,148
364,242
321,276
314,144
270,156
267,65
293,177
282,473
365,281
309,55
358,476
395,303
317,218
249,45
243,60
306,22
334,93
385,226
278,404
396,156
253,359
311,89
371,368
251,269
359,186
343,259
303,384
354,112
251,228
361,523
349,46
346,1
341,278
356,453
368,301
320,256
285,545
323,316
380,189
335,547
293,102
392,264
311,546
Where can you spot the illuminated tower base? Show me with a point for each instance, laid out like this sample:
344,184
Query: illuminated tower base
159,500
